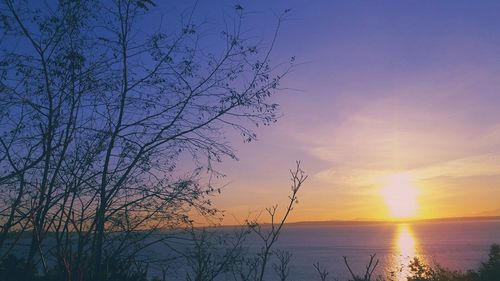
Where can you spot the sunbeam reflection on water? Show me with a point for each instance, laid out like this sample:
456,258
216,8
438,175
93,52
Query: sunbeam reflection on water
405,249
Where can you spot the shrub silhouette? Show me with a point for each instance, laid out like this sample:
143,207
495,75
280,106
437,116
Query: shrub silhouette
423,272
490,270
487,271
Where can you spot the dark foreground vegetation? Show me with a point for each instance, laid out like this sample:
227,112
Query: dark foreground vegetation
114,116
488,270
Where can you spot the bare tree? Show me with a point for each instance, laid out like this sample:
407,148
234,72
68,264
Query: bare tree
97,114
370,268
269,234
212,253
282,266
322,272
42,88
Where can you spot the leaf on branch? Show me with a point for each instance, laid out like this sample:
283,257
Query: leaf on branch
145,4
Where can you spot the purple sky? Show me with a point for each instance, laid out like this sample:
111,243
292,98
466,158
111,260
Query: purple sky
382,88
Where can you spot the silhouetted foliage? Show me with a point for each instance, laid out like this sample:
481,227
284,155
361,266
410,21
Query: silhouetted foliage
97,110
422,272
487,271
490,270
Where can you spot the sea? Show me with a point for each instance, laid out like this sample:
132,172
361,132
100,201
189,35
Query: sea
458,244
453,244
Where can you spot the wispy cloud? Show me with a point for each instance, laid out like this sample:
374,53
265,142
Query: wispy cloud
432,132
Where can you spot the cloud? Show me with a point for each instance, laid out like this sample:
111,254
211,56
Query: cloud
446,131
474,166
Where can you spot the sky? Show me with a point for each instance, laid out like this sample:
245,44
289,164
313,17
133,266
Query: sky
381,89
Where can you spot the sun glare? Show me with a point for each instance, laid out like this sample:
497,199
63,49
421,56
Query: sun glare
405,247
400,195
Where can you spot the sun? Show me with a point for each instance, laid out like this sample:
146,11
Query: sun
400,195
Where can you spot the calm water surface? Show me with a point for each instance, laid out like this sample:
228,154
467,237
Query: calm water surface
457,245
